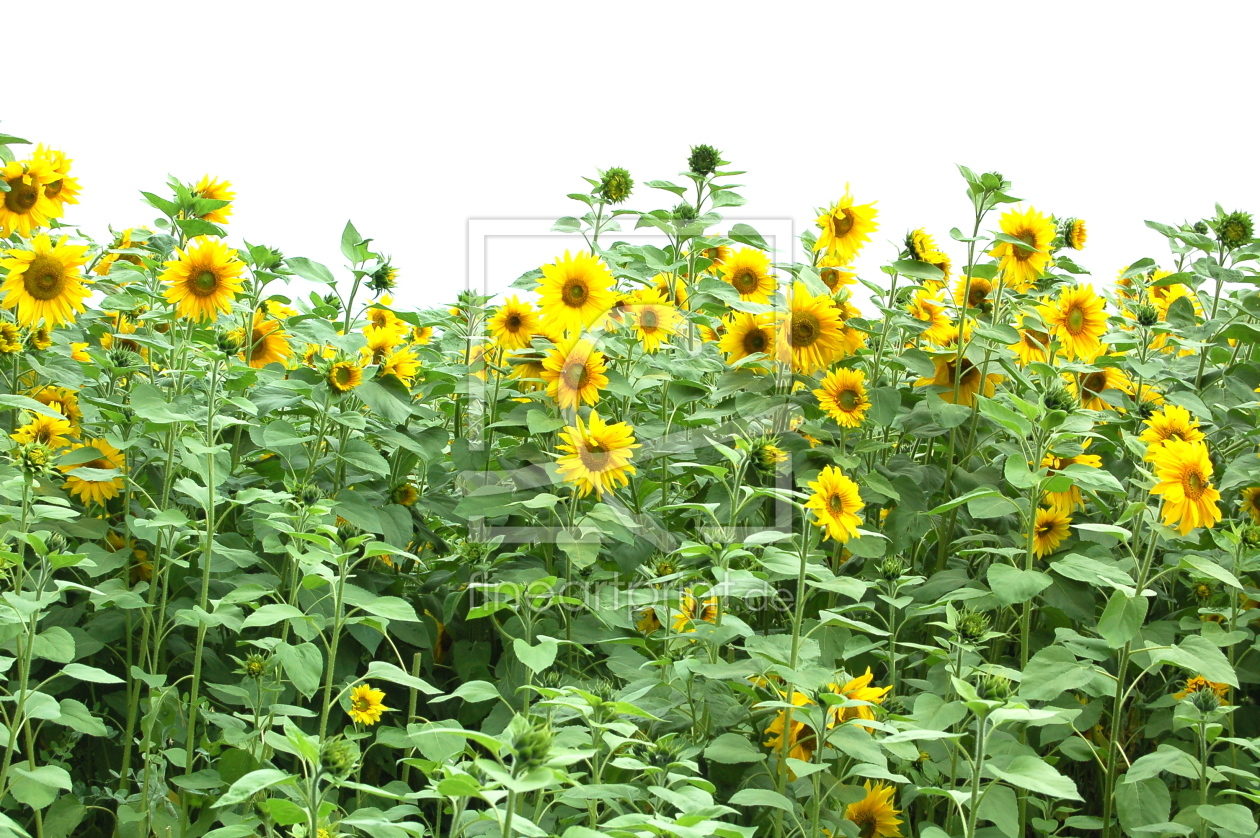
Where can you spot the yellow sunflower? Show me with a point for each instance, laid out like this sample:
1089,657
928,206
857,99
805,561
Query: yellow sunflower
976,292
1049,530
717,255
65,189
1074,234
810,331
951,374
846,227
78,352
802,741
421,335
671,287
1184,471
1033,346
842,395
1091,385
1077,319
267,343
856,689
1022,266
834,274
381,340
204,279
928,307
314,352
747,334
215,190
1249,502
44,283
1170,422
596,455
91,489
55,432
344,376
654,318
1199,683
748,272
691,611
10,338
574,372
401,364
60,399
1070,500
836,504
513,324
874,814
576,291
367,704
26,206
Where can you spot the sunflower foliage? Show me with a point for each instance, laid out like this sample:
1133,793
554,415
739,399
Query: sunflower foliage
683,538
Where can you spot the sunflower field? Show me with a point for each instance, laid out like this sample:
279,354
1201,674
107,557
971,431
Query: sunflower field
686,536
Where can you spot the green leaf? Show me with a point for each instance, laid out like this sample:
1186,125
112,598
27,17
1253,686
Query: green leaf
1229,817
1164,758
272,613
540,423
387,398
744,234
1011,585
76,715
251,784
364,456
303,664
918,270
762,797
1207,567
38,787
1052,671
311,270
538,658
151,406
385,671
1035,774
1201,657
89,673
1122,618
732,749
1142,804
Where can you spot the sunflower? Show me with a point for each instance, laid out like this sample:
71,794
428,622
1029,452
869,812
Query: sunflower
846,228
810,331
836,504
89,489
920,245
1170,422
1049,530
1077,319
10,338
974,294
834,274
47,430
928,307
1184,471
690,611
344,376
747,334
1070,500
26,205
1033,346
44,284
405,494
1200,684
842,394
648,622
597,455
1074,234
717,256
856,689
267,343
204,279
576,291
78,352
212,189
383,318
1022,266
421,335
874,814
671,287
654,317
1249,502
802,741
513,324
65,189
960,379
1091,385
574,372
367,704
381,340
401,364
40,338
748,272
60,399
314,352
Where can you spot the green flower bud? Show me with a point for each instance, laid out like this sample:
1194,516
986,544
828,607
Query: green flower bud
1205,701
971,626
615,185
230,341
532,746
56,543
1147,315
1235,230
1059,397
685,212
994,687
35,459
704,160
1201,227
121,358
255,666
383,279
892,568
338,757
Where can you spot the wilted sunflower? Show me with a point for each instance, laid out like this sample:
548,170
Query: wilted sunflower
1021,266
842,395
691,611
810,331
91,489
654,318
1052,526
576,291
215,190
513,324
46,430
1170,422
344,376
596,455
928,307
367,704
846,227
1249,502
747,334
834,274
204,279
267,343
574,372
1077,319
836,504
1184,471
1033,346
26,206
874,814
748,272
401,364
44,283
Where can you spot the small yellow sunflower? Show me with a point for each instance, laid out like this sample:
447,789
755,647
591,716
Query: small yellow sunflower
204,279
717,256
1184,471
928,307
513,324
654,318
55,432
596,455
344,376
1075,234
267,343
10,338
1090,386
802,741
95,489
976,292
748,272
44,283
26,206
421,335
874,814
213,189
810,332
401,364
834,274
65,189
836,504
846,227
1033,346
1077,319
1052,527
1199,683
842,395
62,400
367,704
1169,422
747,334
690,611
381,340
574,372
1249,502
576,291
1022,266
314,352
1070,500
856,689
961,376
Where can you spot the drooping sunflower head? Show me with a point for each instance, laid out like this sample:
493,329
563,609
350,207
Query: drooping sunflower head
204,279
1073,232
405,494
576,291
1184,472
575,372
1249,502
1023,264
765,455
62,400
960,380
810,331
842,396
836,504
95,481
596,455
846,227
920,244
514,324
748,272
1077,319
1052,526
874,814
1090,387
44,284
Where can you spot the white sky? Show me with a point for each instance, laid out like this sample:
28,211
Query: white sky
413,119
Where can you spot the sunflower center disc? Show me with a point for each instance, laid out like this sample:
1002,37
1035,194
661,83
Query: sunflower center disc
1095,383
575,375
1020,253
835,504
205,283
596,457
575,293
831,278
755,341
513,323
1075,321
21,196
53,189
648,319
1194,483
45,278
745,282
848,399
805,328
842,225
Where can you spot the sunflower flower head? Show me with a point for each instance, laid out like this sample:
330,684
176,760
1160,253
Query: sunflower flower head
874,814
596,455
1235,229
835,503
203,279
846,227
44,284
1184,472
704,160
367,704
1022,264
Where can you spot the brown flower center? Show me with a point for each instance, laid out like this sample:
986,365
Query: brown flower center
847,399
648,319
53,189
45,278
1028,238
835,504
1194,485
575,374
512,323
805,328
575,293
745,281
1075,320
205,283
21,196
595,457
977,293
831,278
842,224
1094,383
755,341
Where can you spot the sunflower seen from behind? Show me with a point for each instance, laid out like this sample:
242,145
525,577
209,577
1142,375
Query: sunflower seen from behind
203,279
44,284
575,291
574,372
835,503
842,396
1184,472
846,227
1023,264
596,455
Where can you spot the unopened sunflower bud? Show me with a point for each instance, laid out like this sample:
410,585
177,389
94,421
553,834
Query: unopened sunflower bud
383,279
121,358
1146,314
1235,230
1251,535
35,459
972,626
892,568
685,212
532,746
338,757
255,666
704,160
1205,701
994,687
56,543
1201,227
332,301
615,185
230,342
1059,397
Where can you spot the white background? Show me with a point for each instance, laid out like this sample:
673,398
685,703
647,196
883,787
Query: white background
413,119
